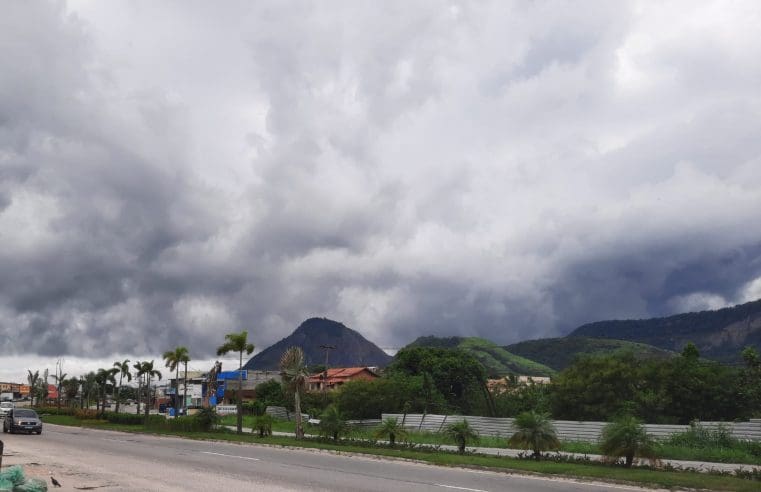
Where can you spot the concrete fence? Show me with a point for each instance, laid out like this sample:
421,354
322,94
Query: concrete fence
282,413
567,430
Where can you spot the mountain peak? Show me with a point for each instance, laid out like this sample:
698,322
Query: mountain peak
351,348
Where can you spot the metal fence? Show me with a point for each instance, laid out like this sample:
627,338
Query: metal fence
282,413
567,430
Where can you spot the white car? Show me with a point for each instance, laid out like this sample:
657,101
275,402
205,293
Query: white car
5,408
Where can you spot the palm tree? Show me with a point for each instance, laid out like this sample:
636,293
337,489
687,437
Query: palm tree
237,342
148,372
137,366
103,377
535,432
71,388
295,374
461,432
185,359
172,360
123,371
32,378
627,437
332,423
393,429
59,379
88,385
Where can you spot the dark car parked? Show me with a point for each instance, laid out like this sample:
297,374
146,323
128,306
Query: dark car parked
22,419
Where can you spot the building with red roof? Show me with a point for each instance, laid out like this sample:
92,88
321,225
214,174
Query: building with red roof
334,378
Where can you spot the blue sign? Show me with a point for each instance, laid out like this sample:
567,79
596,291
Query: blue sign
213,401
228,375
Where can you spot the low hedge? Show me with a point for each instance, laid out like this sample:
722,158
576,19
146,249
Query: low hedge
133,418
56,410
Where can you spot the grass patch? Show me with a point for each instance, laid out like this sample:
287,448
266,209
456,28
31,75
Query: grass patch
716,452
592,471
248,421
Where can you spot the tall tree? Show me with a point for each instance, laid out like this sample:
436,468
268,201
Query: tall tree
33,379
237,342
750,383
103,377
185,359
148,372
42,388
172,359
294,372
70,389
88,386
138,367
457,375
59,377
123,368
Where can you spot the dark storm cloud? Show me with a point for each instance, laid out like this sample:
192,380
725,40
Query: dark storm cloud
500,170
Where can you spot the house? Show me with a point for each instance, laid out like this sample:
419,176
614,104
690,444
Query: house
334,378
497,386
221,387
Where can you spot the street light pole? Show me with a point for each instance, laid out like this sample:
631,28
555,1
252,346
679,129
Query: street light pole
327,349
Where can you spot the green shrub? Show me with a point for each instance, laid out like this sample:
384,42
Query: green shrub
86,414
263,425
133,419
332,423
207,419
56,411
188,423
462,433
627,438
699,436
255,407
536,432
391,428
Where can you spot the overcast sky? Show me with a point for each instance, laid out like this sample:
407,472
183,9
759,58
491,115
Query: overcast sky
174,171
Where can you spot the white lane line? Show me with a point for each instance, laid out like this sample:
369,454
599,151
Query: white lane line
458,488
231,456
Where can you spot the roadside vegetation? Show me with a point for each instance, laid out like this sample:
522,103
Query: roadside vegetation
576,468
617,388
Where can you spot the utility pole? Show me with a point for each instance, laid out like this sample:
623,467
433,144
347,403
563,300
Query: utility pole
327,349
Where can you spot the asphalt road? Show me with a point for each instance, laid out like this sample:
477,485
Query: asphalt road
92,459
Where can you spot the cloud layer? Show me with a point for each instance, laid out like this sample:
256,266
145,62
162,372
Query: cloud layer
173,172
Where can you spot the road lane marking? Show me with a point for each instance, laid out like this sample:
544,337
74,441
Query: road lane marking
231,456
458,488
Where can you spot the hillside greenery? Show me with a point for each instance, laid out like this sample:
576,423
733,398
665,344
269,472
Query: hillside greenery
675,390
719,334
497,361
559,353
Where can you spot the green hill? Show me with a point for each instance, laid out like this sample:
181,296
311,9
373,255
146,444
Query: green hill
720,335
559,353
497,361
